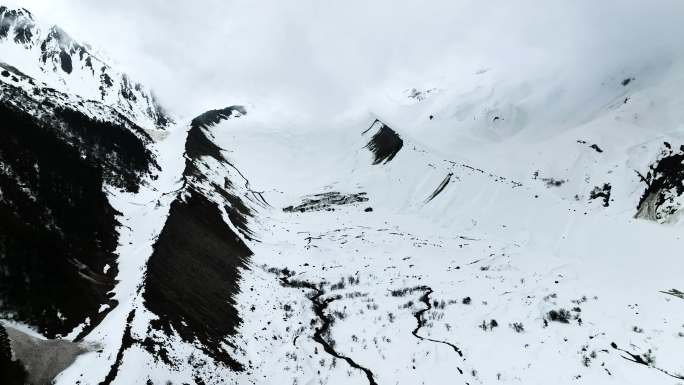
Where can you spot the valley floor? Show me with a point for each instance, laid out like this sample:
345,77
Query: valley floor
492,284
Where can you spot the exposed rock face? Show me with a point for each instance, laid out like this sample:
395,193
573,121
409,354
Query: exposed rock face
59,230
326,201
75,133
602,192
195,269
664,186
193,273
385,143
67,65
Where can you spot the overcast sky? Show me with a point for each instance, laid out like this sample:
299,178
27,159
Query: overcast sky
323,57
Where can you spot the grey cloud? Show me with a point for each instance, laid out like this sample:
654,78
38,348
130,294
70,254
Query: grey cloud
322,57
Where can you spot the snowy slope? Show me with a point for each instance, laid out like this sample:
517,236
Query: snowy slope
49,55
387,254
534,280
487,229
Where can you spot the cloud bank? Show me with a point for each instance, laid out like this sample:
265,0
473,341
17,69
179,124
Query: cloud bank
321,58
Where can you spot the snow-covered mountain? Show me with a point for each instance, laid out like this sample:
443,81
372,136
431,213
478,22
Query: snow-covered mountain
490,230
49,55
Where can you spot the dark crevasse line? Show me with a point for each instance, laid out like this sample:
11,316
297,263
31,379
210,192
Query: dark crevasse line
638,359
258,195
498,178
440,188
425,298
320,304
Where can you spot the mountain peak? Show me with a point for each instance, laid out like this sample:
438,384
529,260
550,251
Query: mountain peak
18,24
51,56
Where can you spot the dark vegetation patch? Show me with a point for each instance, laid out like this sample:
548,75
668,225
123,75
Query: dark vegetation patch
12,372
602,192
664,182
117,144
420,95
57,228
326,201
320,305
517,327
549,182
596,148
193,275
552,182
489,325
674,292
385,143
562,315
407,291
440,188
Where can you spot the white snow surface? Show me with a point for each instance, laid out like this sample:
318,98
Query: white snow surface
498,234
515,246
517,251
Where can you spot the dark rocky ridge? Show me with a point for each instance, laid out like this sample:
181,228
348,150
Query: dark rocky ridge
57,228
602,192
193,274
213,117
20,20
664,182
326,201
385,143
61,55
195,268
198,145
